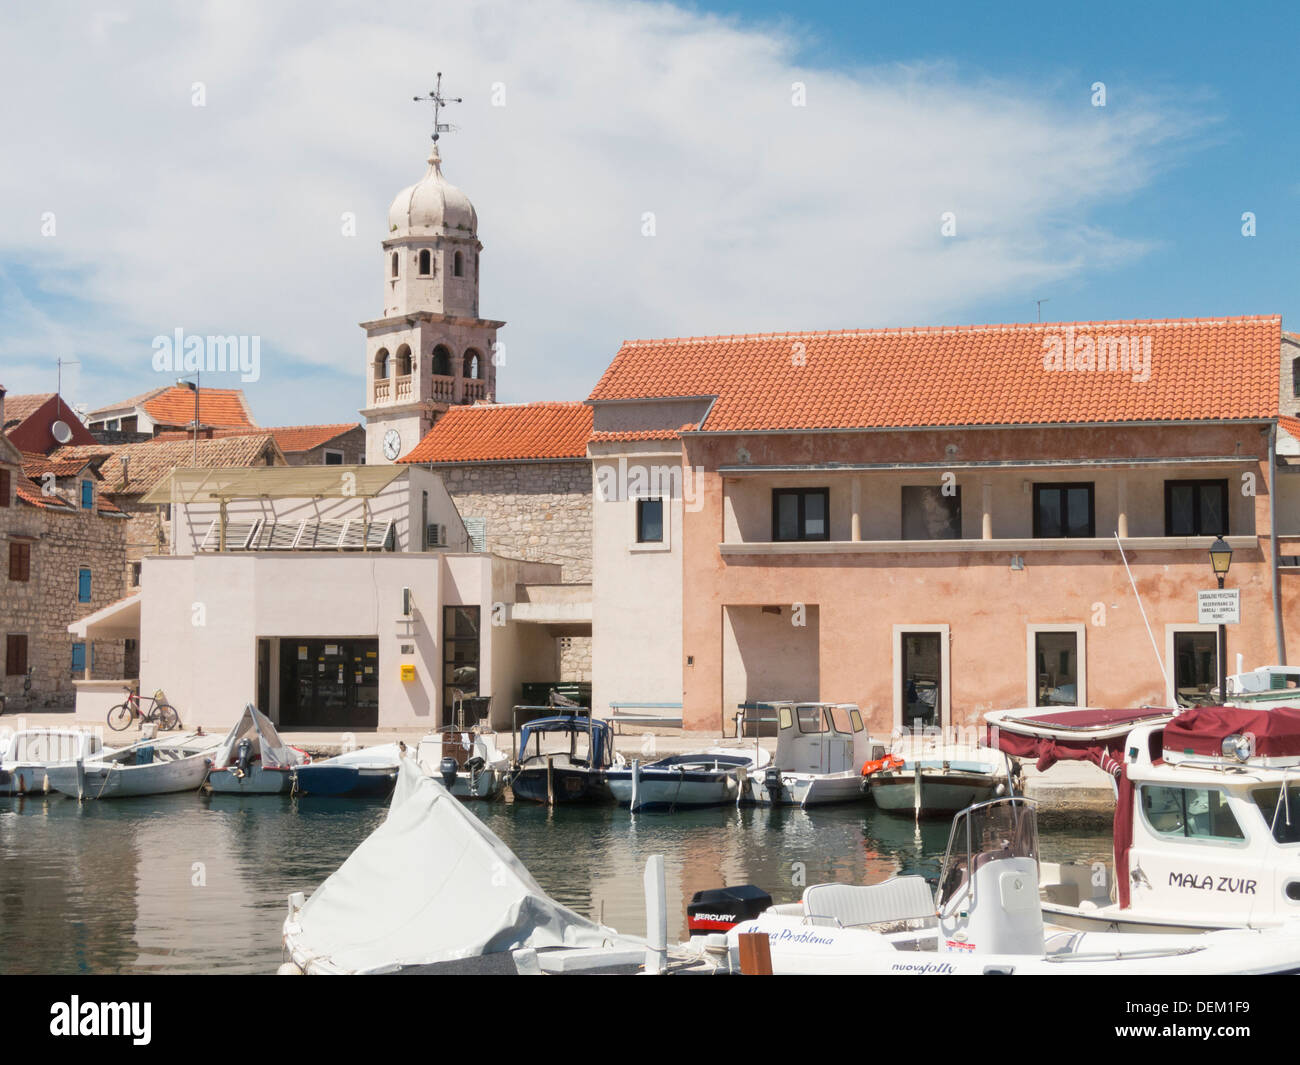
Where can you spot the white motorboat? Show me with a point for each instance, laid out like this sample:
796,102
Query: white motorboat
253,759
820,751
28,754
1207,817
1265,686
155,767
703,778
467,760
927,777
986,919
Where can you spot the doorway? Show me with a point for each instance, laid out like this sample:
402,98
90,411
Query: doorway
329,683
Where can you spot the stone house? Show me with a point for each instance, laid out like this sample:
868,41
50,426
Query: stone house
342,444
40,422
172,407
521,481
63,547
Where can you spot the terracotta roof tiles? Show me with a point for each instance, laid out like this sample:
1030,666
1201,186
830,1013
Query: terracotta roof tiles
497,432
1199,369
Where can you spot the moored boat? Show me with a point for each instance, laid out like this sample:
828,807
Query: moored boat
1207,816
466,760
820,751
156,767
28,754
564,759
369,772
253,759
928,778
704,778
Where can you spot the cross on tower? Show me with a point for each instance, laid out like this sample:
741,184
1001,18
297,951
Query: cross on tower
439,102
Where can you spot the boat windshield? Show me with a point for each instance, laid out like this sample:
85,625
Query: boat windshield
811,719
988,831
846,718
1281,811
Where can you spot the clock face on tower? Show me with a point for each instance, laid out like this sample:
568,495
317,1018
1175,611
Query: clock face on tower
392,444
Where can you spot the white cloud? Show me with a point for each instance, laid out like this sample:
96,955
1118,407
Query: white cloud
226,218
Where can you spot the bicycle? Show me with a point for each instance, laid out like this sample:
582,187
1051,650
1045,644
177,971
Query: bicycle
161,711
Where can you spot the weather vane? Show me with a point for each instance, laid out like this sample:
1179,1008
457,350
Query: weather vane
439,102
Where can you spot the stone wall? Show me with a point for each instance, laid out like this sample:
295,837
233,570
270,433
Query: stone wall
42,607
534,511
538,512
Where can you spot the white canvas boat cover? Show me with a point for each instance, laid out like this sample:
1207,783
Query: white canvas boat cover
431,884
253,723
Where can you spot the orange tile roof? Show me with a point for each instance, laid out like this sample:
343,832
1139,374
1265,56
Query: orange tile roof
291,438
497,432
36,498
149,461
611,436
1200,368
1291,425
20,407
220,407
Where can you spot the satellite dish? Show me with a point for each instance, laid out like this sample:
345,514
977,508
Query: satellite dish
61,432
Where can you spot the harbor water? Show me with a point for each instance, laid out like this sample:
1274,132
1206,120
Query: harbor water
197,884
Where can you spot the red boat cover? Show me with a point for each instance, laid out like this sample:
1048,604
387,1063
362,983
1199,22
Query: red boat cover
1048,750
1085,719
1203,730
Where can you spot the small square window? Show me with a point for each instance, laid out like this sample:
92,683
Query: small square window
1064,510
801,514
649,521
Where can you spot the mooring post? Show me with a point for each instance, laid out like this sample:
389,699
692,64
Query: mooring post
755,954
656,916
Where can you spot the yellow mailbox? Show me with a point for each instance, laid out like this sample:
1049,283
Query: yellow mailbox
408,671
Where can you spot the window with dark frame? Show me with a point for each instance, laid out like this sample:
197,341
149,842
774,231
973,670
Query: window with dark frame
1196,508
5,488
20,561
801,514
1064,510
649,521
460,654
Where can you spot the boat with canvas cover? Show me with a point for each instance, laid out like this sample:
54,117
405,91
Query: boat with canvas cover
704,778
369,772
433,886
564,759
1207,815
253,759
154,767
926,777
985,918
466,760
820,751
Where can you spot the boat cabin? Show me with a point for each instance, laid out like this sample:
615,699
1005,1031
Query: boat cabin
570,739
818,737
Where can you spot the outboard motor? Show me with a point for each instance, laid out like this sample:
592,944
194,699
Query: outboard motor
721,909
243,757
448,768
772,781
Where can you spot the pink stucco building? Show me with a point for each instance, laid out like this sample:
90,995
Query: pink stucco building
928,522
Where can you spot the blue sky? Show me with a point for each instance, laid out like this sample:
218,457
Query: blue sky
224,219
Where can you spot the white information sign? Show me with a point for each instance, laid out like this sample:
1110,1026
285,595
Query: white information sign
1222,606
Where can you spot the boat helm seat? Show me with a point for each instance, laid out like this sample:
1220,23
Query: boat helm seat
901,898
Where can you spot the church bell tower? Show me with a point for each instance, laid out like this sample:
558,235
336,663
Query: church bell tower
430,350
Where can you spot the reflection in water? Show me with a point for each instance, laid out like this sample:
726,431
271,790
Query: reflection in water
192,884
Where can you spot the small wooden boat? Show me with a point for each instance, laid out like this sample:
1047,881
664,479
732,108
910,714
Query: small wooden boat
159,767
563,759
936,780
253,759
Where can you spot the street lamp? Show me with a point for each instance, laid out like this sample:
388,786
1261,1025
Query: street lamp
182,382
1220,563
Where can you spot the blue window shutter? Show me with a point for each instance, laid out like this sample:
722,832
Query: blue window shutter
83,586
78,657
87,495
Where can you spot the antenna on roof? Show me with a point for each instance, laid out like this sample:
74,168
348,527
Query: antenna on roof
1045,299
439,102
61,362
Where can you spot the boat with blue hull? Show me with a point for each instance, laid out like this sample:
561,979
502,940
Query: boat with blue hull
705,778
368,773
564,759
